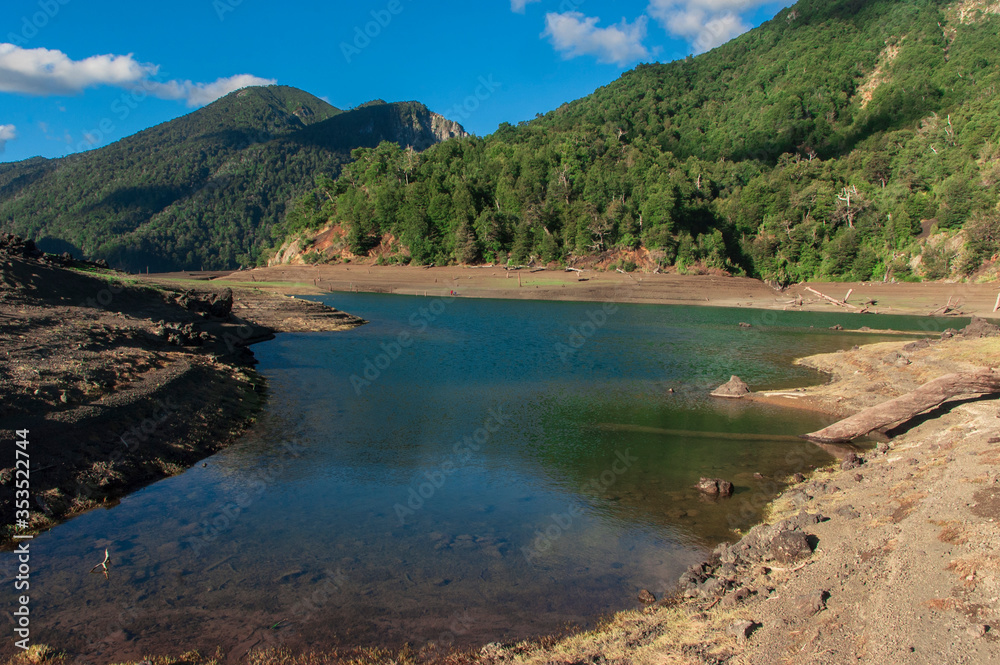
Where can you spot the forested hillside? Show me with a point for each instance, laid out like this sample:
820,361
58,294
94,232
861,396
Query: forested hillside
829,142
202,191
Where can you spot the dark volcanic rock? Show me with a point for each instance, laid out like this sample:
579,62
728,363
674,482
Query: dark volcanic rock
735,388
790,546
715,487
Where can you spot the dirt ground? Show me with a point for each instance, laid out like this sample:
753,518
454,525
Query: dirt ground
661,289
120,384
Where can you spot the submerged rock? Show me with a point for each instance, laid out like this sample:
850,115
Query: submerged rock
735,388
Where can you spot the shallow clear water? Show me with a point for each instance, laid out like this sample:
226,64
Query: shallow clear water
509,469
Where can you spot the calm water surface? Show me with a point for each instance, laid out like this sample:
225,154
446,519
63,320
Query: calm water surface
458,471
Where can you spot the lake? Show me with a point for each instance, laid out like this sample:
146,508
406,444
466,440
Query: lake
457,471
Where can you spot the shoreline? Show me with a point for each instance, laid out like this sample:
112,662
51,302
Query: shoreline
907,298
119,384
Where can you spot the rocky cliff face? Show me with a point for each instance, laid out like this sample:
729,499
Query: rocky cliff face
422,128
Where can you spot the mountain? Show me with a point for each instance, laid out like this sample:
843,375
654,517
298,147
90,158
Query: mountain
206,190
846,139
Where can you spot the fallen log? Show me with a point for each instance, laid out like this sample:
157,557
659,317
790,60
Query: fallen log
981,381
831,299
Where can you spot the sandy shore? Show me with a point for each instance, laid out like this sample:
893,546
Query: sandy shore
662,289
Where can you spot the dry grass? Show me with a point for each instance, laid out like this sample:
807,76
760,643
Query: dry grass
952,532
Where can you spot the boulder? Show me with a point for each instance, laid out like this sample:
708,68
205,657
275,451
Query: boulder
734,388
715,487
789,546
852,461
980,328
221,304
741,630
811,603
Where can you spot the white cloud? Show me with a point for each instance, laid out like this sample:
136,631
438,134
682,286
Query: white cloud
704,23
7,133
199,94
47,72
574,34
519,5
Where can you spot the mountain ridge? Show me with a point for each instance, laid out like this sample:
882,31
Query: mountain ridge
203,190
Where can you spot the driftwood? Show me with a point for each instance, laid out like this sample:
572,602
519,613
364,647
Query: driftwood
981,381
839,303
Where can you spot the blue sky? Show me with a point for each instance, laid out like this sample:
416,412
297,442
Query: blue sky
79,74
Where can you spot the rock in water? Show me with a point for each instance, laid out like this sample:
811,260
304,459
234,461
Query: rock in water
715,487
646,597
736,388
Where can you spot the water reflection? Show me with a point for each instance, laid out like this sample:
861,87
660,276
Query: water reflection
471,483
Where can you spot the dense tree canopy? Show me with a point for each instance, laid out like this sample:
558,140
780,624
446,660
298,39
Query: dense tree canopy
813,146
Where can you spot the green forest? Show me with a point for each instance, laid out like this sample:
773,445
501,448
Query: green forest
824,144
204,191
